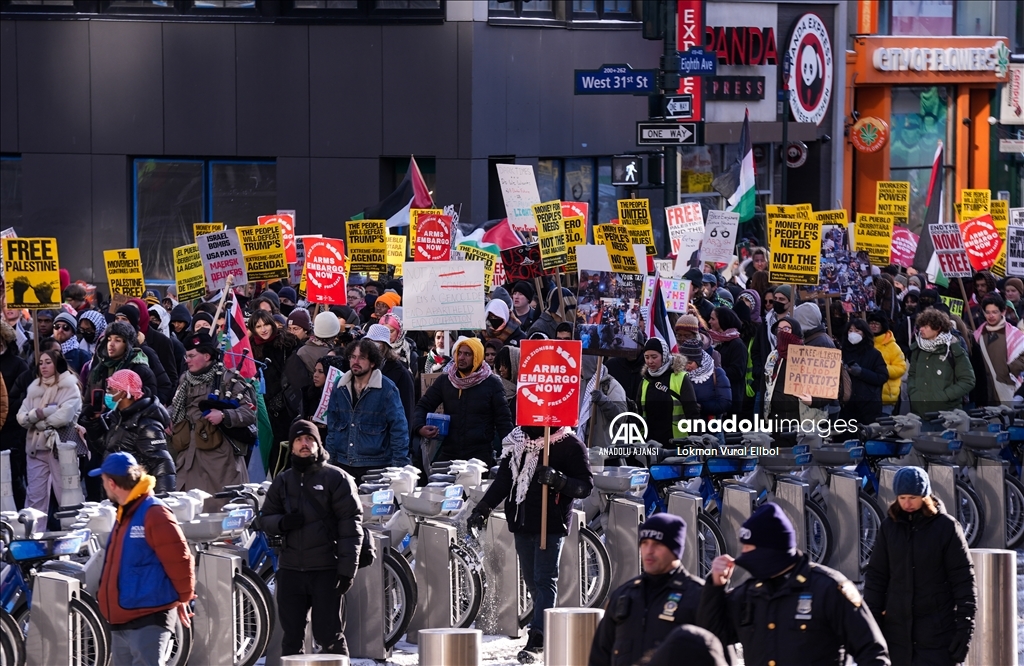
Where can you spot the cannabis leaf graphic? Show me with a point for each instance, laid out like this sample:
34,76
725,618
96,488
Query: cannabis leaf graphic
869,134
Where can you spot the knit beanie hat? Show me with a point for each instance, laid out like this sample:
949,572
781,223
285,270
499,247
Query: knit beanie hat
1016,283
655,345
785,290
131,314
289,293
769,527
202,316
911,481
271,296
123,330
300,318
391,298
693,349
67,319
665,528
326,326
303,427
688,322
524,288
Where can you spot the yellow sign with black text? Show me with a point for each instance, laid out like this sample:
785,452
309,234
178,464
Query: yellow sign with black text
615,239
551,234
635,215
892,197
124,272
873,234
795,248
975,203
575,234
31,273
263,251
188,272
366,241
203,228
396,252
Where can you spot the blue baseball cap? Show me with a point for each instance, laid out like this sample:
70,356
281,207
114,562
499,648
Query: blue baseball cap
116,464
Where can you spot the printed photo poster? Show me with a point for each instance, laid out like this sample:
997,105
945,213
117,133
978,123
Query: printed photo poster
124,272
982,241
203,228
295,269
286,220
904,246
873,234
263,249
615,238
221,253
635,215
325,270
416,216
433,237
676,294
443,296
975,203
608,314
719,244
813,371
487,258
551,235
795,249
519,189
685,231
949,247
188,272
522,262
396,252
32,273
1015,244
549,386
367,246
892,197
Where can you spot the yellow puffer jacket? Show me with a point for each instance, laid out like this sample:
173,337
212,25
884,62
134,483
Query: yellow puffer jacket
895,362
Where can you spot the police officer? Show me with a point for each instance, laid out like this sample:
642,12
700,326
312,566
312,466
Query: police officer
642,612
790,611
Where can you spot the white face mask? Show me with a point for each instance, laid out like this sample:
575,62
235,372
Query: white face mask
854,337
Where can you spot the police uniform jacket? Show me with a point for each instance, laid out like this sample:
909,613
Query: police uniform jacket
808,619
641,613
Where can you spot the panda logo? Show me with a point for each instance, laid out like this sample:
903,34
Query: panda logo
810,52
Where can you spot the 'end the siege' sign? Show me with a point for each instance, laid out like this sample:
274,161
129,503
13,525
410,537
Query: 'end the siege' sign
549,387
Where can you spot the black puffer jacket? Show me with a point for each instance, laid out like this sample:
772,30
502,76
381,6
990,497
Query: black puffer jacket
274,354
865,403
479,415
734,362
921,577
141,431
317,546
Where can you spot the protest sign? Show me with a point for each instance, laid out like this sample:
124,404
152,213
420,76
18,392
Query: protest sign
795,249
188,272
796,212
615,238
416,216
489,259
286,220
124,271
892,197
685,230
813,371
982,241
519,189
116,301
635,215
873,234
295,270
522,262
608,312
396,252
955,305
593,258
333,377
1017,217
367,246
1000,212
719,244
550,234
974,203
949,246
575,235
676,294
443,296
9,232
222,256
1015,247
549,386
904,246
263,250
32,273
836,218
203,228
433,237
325,270
577,209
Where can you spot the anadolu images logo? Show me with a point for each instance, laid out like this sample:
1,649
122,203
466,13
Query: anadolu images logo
628,429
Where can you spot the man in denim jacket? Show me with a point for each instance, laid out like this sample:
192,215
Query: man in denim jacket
366,424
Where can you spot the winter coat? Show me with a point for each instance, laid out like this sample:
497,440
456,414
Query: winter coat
714,395
402,379
274,354
734,362
939,380
479,414
662,410
612,403
12,435
4,404
920,584
895,363
545,324
172,359
59,412
141,430
372,432
316,546
865,403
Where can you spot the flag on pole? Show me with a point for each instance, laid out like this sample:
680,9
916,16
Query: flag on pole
658,324
411,193
737,184
236,341
925,259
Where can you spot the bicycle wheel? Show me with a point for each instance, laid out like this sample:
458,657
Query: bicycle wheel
179,649
871,516
467,587
400,597
710,543
1014,491
251,618
13,645
969,513
90,634
595,569
819,533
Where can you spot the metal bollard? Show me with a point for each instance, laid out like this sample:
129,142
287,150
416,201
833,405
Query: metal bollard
450,647
48,640
568,635
995,631
433,578
990,486
570,588
844,515
624,519
499,611
686,505
6,485
317,659
365,606
790,494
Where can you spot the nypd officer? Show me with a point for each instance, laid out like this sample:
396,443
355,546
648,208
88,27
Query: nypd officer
641,613
790,611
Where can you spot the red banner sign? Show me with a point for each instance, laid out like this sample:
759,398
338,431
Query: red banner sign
287,223
549,387
904,246
576,209
433,238
522,262
325,270
690,34
982,241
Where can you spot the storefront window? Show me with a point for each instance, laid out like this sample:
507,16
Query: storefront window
922,17
549,179
697,166
918,124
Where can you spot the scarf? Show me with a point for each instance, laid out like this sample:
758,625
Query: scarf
257,341
514,446
50,388
435,360
179,405
932,346
586,403
785,339
705,371
68,346
1014,339
724,336
164,316
755,311
470,380
108,366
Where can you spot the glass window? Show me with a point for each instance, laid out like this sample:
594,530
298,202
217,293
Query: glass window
584,6
45,3
224,4
142,4
10,192
549,179
922,17
918,124
617,6
544,7
697,166
607,194
578,181
428,169
974,17
501,7
242,191
327,4
168,200
408,4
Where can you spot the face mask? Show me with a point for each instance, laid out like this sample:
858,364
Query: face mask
779,307
854,337
89,336
109,401
764,563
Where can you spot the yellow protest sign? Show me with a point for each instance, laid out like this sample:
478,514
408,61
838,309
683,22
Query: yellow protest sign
414,217
202,228
873,234
975,203
698,182
892,197
832,217
263,251
615,238
799,211
473,253
124,272
575,234
795,248
367,246
188,272
550,234
32,273
396,252
958,207
635,215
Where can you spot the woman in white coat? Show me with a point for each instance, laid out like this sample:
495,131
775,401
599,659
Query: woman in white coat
52,402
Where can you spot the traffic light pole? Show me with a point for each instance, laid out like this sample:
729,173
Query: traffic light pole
670,86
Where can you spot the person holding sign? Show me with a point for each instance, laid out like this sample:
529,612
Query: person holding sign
666,393
868,373
777,402
273,347
940,371
1001,346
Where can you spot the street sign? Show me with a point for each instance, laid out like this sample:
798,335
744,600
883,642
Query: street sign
678,106
615,80
697,62
669,134
627,170
1011,145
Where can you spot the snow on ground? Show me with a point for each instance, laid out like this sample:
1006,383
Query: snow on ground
497,651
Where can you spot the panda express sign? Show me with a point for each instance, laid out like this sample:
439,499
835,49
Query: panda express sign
930,60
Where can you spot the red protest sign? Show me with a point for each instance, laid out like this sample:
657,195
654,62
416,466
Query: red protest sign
522,263
982,241
287,223
904,246
433,238
549,387
576,209
325,270
949,248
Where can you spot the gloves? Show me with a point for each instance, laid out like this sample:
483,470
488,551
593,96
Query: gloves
476,521
959,646
597,396
291,521
551,477
854,370
343,585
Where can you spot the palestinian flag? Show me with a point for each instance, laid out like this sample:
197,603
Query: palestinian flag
737,184
658,324
493,232
238,354
925,259
412,192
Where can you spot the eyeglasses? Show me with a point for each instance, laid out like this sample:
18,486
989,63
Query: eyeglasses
785,329
62,327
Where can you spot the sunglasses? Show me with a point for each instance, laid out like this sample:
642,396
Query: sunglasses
62,327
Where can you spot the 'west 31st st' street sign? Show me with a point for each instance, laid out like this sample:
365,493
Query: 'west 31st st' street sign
616,80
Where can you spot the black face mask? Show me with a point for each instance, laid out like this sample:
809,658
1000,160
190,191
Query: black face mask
495,323
89,336
286,309
765,563
533,432
779,307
